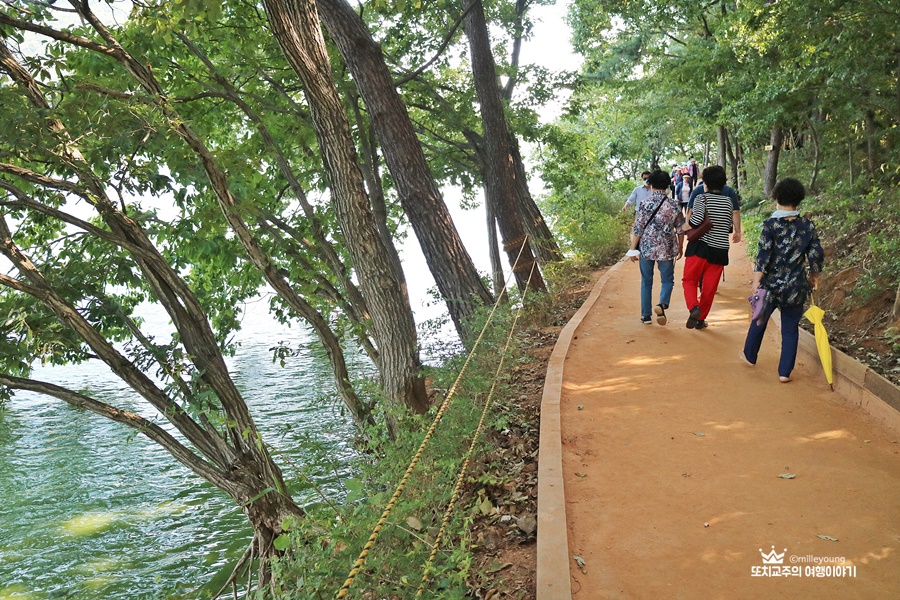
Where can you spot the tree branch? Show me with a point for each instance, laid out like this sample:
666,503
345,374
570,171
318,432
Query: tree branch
156,433
443,46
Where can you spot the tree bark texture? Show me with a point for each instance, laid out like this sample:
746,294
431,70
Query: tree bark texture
721,142
500,183
770,175
872,160
732,162
355,306
543,244
448,260
497,278
295,25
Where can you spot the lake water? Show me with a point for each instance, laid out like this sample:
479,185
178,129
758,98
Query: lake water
91,510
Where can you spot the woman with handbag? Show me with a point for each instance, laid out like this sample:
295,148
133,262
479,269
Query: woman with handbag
787,244
657,225
713,219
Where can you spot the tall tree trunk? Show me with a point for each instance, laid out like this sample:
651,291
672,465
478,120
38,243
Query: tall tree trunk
295,25
770,176
448,260
742,164
540,237
850,159
354,305
494,249
706,151
732,160
501,181
542,241
372,178
817,153
871,145
722,141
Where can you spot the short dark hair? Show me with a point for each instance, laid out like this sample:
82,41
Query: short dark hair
789,192
645,173
714,178
659,180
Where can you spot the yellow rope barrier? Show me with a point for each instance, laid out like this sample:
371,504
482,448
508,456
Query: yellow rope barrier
361,560
465,465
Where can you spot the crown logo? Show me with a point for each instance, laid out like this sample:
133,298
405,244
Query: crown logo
772,558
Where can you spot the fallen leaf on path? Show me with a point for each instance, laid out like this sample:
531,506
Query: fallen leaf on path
414,523
485,507
580,474
579,560
787,475
699,434
827,537
495,567
580,407
527,523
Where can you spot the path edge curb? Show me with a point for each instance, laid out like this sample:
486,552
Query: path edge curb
552,573
860,385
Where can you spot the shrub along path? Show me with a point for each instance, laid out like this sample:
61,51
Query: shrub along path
675,455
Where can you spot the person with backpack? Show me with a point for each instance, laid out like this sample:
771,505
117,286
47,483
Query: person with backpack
656,240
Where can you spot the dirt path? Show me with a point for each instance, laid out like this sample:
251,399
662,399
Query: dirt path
672,452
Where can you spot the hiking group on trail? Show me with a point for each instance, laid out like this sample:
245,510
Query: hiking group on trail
788,261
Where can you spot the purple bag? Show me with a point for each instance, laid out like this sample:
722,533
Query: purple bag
758,304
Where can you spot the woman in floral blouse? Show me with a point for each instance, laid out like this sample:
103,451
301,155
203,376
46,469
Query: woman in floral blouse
658,245
788,245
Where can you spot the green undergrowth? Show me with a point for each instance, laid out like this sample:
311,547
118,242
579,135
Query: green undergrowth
860,230
589,223
320,550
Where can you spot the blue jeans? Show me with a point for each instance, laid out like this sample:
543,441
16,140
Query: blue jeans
790,337
666,275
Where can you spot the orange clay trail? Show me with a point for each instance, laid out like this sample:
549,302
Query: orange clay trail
671,465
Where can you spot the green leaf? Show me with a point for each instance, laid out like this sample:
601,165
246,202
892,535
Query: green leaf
282,542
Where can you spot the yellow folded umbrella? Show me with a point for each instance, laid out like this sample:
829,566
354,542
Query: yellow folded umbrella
815,315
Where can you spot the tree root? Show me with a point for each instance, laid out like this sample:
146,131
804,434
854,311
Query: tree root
235,573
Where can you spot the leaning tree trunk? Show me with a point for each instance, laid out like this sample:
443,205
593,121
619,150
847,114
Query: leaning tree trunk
770,175
236,460
501,172
871,144
295,25
227,202
454,272
817,154
722,142
540,237
733,163
494,250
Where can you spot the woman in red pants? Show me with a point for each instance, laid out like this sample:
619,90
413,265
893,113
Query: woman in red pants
705,259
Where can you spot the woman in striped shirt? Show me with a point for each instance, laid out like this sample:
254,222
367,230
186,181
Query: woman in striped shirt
705,259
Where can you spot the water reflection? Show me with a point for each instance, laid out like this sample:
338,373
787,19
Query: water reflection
92,510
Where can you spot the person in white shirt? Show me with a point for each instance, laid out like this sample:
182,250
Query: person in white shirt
640,193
